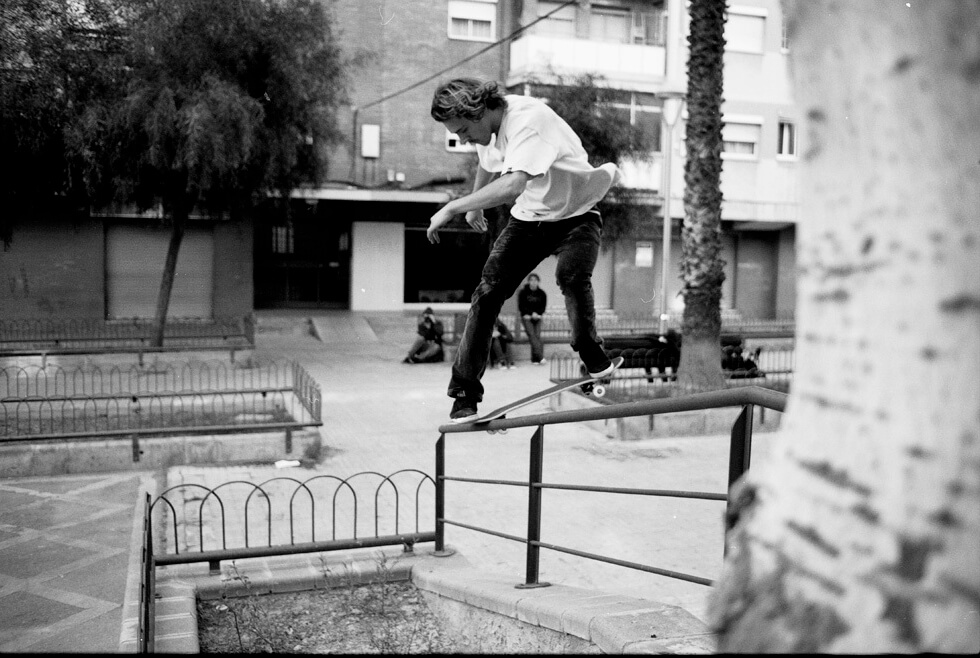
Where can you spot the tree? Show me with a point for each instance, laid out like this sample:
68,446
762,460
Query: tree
607,135
225,102
862,533
702,268
53,62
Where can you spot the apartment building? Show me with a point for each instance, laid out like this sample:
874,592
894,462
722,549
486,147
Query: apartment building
357,240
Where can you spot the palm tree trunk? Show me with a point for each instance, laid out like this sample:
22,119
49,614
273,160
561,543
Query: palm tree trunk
861,534
702,270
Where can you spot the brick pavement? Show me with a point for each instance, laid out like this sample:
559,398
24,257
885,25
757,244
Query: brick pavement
382,415
67,543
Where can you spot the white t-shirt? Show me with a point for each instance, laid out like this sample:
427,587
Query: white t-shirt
535,140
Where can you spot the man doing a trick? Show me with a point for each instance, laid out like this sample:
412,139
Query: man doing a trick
528,156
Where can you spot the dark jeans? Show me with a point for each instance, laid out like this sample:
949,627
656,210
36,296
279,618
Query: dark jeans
519,249
533,330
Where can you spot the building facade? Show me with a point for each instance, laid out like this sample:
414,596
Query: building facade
358,239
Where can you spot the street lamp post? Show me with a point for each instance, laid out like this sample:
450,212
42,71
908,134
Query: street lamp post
673,103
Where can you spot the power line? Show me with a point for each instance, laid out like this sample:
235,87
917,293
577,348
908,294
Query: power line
493,45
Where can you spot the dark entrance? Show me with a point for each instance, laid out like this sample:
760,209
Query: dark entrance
446,272
302,258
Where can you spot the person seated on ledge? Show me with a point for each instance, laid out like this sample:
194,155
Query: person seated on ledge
427,347
500,347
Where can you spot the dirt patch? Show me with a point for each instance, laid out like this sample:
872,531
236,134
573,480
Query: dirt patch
379,618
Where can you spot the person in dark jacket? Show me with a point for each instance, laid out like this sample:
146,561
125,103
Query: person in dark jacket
500,355
532,302
427,347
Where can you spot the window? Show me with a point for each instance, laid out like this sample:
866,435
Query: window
745,32
472,20
559,24
650,28
645,118
740,141
787,139
610,24
453,144
282,239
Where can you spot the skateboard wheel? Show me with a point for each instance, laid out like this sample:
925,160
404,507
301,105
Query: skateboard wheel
599,391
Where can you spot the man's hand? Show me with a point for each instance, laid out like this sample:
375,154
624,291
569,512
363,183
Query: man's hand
474,218
477,221
437,221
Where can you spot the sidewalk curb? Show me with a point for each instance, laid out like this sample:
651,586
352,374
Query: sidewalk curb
557,617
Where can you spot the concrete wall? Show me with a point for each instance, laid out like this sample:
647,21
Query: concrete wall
392,51
377,266
233,284
54,268
786,275
637,289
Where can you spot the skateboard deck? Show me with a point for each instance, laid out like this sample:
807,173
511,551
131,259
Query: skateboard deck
589,385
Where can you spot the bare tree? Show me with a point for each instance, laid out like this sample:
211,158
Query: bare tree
862,532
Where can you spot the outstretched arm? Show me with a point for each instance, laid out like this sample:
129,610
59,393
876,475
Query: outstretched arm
500,191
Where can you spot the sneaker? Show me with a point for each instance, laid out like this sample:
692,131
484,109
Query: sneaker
407,359
596,361
511,366
598,374
464,409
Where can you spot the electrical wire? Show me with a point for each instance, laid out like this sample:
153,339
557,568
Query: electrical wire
491,46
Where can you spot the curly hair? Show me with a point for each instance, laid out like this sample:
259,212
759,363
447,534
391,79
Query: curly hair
466,98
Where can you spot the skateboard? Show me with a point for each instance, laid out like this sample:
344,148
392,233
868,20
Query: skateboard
589,385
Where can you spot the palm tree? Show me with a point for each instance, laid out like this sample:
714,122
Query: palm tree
861,534
702,270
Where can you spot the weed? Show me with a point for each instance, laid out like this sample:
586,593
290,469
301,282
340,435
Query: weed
387,615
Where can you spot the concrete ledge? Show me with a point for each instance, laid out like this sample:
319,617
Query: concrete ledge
489,614
65,457
179,587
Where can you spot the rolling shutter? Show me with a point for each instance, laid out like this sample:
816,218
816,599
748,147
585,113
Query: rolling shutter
134,267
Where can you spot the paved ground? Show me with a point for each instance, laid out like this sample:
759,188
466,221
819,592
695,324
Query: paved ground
64,542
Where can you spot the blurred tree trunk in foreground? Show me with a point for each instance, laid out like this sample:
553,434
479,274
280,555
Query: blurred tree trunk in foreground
862,534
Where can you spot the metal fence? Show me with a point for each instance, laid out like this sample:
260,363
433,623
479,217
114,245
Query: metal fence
25,336
555,326
285,515
739,459
53,402
281,516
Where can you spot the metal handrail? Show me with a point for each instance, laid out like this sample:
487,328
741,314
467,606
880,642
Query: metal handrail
147,595
743,395
747,397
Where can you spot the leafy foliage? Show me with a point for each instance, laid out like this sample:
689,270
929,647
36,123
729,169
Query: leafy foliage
224,100
54,62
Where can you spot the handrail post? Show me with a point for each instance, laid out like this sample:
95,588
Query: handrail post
739,455
440,550
534,510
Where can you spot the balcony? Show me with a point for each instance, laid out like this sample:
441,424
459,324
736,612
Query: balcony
623,65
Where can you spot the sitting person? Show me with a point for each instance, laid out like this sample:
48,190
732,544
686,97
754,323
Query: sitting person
427,347
500,347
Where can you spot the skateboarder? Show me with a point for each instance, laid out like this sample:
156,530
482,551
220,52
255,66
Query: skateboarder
528,156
